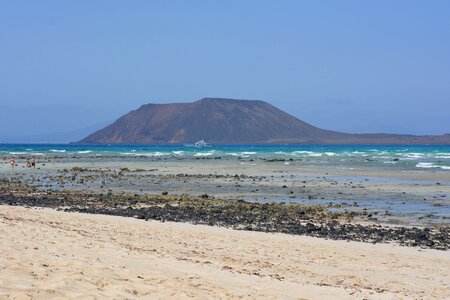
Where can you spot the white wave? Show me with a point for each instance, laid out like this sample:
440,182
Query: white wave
209,153
232,154
281,153
241,154
309,153
17,153
155,154
431,165
84,151
301,152
128,153
150,154
315,154
28,149
57,150
178,152
414,155
426,165
330,153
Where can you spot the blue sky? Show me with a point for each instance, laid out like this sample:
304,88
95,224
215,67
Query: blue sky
356,66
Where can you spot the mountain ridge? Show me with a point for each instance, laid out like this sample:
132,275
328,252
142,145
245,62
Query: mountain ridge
231,121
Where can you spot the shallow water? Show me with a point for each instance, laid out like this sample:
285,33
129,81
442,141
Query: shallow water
402,176
432,158
413,212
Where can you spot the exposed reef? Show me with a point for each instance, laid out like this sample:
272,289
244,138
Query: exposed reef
288,218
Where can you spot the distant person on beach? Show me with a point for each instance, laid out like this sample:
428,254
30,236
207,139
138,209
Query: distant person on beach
31,162
13,162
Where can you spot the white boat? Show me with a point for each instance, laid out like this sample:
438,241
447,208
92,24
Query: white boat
202,143
199,144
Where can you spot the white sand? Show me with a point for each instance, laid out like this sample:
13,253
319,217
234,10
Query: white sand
47,254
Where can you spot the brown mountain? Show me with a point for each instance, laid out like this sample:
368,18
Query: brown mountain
228,121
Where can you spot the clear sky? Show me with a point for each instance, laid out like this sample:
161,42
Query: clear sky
356,66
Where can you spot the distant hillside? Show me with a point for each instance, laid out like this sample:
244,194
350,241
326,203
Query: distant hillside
228,121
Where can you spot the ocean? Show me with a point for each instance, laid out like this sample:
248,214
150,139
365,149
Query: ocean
435,158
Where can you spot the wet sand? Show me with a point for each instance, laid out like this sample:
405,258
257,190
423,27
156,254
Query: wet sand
395,196
48,254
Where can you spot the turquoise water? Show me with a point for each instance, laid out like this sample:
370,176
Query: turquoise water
409,157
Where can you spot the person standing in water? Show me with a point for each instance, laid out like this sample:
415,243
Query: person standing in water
33,162
13,162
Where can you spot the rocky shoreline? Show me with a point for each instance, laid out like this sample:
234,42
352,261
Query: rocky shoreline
288,218
419,201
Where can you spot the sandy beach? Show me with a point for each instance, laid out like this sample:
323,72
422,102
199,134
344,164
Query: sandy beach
311,231
48,254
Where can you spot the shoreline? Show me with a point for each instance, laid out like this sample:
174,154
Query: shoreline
419,198
288,218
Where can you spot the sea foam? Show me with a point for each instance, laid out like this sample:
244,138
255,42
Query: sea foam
427,165
200,154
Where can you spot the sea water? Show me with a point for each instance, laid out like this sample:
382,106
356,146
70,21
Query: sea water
433,158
